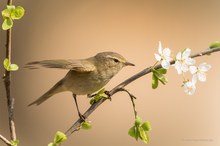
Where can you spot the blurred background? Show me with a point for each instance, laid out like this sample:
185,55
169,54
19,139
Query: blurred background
73,29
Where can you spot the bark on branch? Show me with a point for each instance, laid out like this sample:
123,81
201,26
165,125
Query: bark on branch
7,142
7,82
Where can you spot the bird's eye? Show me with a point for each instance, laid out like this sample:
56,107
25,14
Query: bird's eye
116,60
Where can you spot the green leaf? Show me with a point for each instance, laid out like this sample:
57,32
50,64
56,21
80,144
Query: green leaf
18,13
15,142
92,101
162,70
146,126
51,144
133,132
215,44
86,125
6,64
7,24
100,95
160,77
138,121
59,137
13,67
143,135
6,13
10,7
154,81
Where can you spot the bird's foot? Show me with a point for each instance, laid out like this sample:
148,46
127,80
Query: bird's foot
109,95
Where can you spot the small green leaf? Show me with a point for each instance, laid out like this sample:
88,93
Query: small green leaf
51,144
10,7
133,132
86,125
18,13
154,81
13,67
15,142
59,137
143,135
162,70
100,95
160,77
6,64
92,101
215,44
163,80
138,121
7,24
146,126
6,13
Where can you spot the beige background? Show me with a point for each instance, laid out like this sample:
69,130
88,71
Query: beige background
54,29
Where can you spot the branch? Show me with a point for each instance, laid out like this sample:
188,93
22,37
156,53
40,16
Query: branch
5,140
7,81
118,88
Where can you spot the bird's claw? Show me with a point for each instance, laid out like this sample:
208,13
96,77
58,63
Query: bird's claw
108,95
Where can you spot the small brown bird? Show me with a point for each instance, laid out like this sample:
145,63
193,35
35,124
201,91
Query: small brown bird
85,76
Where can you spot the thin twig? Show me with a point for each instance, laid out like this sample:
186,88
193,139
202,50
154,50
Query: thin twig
5,140
132,100
7,81
148,70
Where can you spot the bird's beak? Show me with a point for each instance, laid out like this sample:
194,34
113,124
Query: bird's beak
129,64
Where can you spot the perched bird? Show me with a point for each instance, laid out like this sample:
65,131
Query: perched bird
85,76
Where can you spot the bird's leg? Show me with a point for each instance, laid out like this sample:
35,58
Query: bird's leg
108,94
77,107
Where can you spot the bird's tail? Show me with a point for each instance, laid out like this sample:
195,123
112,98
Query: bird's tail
58,87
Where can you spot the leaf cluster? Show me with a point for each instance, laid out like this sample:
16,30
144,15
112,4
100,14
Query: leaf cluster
158,76
140,129
11,13
100,95
58,139
8,66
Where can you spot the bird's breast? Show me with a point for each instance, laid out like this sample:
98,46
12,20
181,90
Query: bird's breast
85,83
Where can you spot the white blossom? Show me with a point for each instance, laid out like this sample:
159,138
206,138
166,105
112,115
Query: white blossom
200,71
190,86
164,56
183,61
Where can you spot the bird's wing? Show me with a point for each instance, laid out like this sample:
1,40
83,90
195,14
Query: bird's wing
76,65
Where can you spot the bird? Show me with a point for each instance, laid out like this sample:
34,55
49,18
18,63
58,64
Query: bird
85,76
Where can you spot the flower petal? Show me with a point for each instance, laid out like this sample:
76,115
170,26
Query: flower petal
168,58
157,57
189,88
186,53
193,69
194,79
160,48
178,66
179,56
201,76
190,61
166,52
184,67
204,67
165,64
